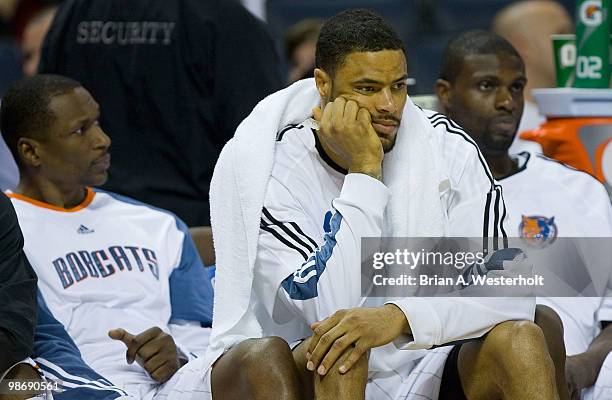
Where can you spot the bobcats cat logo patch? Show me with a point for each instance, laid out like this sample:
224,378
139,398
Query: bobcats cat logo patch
538,231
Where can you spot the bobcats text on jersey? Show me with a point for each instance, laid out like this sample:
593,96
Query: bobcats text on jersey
78,265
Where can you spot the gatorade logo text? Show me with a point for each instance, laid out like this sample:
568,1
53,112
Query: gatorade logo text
591,13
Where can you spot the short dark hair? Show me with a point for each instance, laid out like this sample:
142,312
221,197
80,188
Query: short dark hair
469,43
352,31
24,110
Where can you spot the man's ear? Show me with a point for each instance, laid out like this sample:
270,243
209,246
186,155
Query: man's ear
324,83
443,91
27,150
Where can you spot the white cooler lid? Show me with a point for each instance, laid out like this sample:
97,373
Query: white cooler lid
572,102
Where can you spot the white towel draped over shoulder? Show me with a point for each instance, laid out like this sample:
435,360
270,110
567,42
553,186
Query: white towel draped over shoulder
239,184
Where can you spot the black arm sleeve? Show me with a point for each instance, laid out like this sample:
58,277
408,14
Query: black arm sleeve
17,291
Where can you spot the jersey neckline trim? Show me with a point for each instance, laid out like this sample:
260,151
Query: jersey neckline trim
327,159
521,167
87,201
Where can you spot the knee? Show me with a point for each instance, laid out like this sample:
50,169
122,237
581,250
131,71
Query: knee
519,345
526,336
254,367
265,351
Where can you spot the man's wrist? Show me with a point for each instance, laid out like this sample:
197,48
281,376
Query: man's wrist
399,320
374,170
181,357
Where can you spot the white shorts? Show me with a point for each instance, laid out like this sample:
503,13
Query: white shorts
191,382
422,383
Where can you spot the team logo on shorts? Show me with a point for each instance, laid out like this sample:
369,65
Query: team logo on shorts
538,231
591,13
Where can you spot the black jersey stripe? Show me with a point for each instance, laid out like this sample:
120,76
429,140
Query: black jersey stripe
503,218
457,130
494,186
453,128
500,216
270,229
485,224
496,219
299,230
436,117
281,133
305,246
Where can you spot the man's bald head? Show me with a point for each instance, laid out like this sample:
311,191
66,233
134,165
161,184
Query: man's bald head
532,16
528,25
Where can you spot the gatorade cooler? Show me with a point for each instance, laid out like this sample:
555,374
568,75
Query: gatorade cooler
578,129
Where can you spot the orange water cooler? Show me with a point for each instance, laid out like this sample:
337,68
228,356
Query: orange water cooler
578,129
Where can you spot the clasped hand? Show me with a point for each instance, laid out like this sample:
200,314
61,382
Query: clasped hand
154,350
357,331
